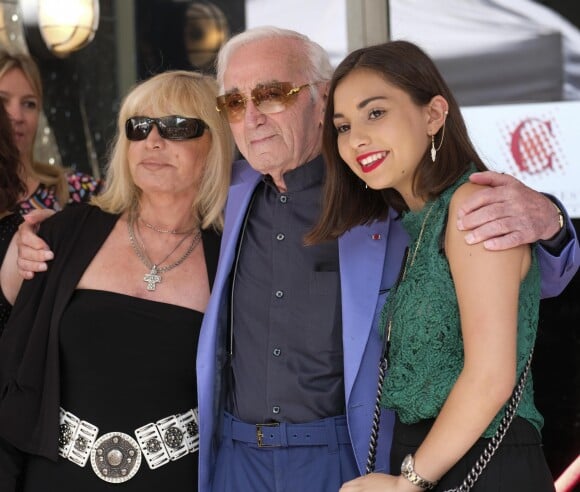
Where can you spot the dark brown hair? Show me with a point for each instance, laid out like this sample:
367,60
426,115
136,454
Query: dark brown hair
346,202
12,188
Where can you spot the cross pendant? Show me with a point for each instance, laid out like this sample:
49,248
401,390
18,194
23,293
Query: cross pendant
152,278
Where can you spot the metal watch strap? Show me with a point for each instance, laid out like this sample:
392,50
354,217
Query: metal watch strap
408,471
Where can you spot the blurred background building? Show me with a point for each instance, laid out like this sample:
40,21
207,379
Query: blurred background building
492,52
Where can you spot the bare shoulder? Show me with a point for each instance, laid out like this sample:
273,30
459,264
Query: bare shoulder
465,191
456,246
454,238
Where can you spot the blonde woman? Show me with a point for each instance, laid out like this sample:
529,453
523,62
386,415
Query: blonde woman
47,186
97,363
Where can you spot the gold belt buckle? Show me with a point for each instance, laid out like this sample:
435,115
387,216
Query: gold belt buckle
260,435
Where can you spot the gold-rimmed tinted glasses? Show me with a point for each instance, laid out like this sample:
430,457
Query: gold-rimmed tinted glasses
270,98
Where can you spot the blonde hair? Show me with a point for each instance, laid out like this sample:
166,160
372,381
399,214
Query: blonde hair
183,93
47,174
27,66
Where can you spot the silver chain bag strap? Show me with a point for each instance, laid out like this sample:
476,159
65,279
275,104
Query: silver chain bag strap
489,450
374,439
497,438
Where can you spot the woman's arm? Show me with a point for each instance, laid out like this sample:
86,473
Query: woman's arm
487,286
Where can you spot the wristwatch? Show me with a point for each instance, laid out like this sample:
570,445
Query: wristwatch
560,217
408,471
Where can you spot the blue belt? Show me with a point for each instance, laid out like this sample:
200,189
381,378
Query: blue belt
272,435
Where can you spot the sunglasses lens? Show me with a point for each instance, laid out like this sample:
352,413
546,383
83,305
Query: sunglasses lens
180,128
169,127
268,98
137,128
233,104
272,98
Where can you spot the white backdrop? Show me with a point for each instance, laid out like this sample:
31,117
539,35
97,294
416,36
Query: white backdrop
323,21
537,143
490,51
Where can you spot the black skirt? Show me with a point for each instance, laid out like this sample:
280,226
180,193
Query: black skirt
518,464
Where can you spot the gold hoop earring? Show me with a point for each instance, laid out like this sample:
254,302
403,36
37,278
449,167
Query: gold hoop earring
433,149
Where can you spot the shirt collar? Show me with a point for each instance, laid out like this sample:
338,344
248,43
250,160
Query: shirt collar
303,177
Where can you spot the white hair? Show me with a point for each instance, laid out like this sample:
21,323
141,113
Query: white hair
317,66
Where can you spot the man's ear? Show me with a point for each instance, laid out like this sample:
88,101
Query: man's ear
437,110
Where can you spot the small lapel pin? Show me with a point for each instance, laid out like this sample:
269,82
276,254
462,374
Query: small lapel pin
376,236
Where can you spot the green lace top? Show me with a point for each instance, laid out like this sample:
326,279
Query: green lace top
426,349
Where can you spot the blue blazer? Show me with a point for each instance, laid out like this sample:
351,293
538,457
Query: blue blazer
365,279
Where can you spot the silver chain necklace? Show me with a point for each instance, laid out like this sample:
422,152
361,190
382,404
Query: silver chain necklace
154,276
164,231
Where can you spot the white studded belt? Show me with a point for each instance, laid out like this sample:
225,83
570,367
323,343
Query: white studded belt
115,456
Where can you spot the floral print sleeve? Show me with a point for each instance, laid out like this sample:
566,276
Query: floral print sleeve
82,187
43,197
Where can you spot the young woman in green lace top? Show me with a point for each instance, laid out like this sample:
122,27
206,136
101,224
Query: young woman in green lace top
462,321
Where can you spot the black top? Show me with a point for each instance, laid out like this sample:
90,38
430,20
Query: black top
125,362
288,359
8,227
31,373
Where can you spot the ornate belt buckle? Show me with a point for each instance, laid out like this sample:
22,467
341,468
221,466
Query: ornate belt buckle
115,457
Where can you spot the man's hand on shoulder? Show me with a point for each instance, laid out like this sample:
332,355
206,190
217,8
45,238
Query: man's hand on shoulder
506,213
33,252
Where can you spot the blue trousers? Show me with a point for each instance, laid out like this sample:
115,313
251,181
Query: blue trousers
290,465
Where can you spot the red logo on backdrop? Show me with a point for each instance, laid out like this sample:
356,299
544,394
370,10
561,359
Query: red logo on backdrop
533,145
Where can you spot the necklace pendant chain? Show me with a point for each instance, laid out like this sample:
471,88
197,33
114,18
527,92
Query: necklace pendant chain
165,231
409,264
152,278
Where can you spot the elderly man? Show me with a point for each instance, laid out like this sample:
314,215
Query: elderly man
289,349
288,354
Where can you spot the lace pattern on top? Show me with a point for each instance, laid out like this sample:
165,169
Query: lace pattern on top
426,349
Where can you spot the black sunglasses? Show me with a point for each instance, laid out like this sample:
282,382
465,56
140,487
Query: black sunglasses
169,127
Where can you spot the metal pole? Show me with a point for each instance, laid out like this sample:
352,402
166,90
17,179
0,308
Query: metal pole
368,22
126,45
